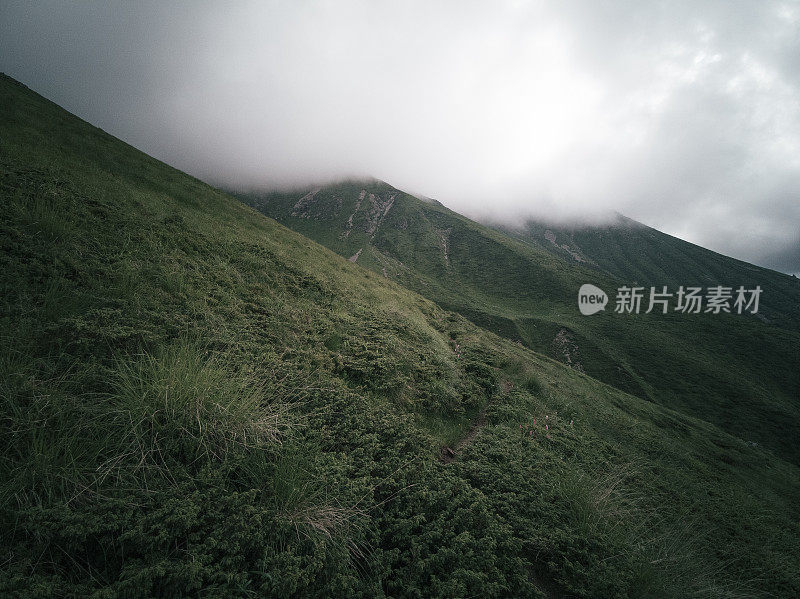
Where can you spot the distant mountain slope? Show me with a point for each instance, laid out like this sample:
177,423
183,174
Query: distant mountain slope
198,401
640,255
738,371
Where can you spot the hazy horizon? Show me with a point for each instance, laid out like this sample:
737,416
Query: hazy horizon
683,116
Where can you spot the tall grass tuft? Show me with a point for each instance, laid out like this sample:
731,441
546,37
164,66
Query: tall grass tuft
183,402
532,384
49,444
663,557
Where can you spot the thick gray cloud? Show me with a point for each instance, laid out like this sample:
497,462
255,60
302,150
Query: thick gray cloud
684,115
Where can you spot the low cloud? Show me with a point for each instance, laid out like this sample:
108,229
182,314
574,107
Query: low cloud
683,115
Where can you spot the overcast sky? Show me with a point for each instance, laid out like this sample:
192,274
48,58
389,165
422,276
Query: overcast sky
683,115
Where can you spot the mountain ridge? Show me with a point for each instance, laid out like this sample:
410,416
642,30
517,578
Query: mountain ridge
524,287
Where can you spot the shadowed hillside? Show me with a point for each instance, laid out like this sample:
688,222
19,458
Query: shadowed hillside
198,401
737,371
640,255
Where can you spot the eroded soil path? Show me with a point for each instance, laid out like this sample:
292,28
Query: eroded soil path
449,454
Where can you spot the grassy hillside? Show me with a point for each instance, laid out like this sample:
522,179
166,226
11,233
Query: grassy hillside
739,372
632,252
197,401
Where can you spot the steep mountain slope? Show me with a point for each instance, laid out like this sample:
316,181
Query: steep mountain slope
737,371
197,401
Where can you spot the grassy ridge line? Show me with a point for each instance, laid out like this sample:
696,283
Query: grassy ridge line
198,400
736,371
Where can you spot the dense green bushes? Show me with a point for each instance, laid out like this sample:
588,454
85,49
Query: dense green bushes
195,401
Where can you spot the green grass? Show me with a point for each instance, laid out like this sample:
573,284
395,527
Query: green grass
738,372
185,398
197,401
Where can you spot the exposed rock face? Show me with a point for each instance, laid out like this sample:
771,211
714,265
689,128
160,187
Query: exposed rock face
300,209
375,207
444,240
377,211
372,207
350,218
564,345
550,236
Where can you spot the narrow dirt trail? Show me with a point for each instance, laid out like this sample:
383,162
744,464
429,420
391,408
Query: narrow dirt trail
449,454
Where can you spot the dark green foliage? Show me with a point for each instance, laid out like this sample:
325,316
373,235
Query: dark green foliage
739,372
196,401
532,384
